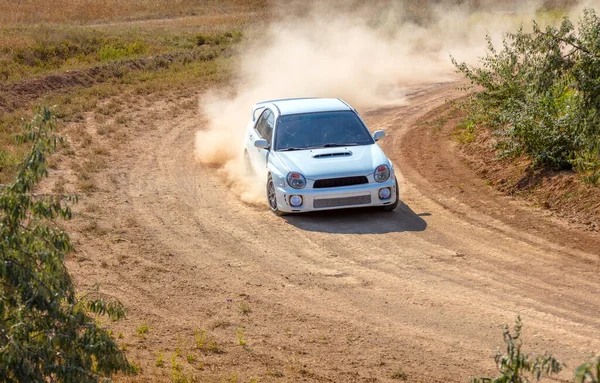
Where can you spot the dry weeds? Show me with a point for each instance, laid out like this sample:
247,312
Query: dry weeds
87,11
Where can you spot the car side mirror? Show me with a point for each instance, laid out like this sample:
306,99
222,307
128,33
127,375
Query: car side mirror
261,144
378,135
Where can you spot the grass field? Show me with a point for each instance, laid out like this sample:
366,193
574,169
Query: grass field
77,54
97,11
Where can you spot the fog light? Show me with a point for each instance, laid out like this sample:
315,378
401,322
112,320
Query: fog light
295,200
385,193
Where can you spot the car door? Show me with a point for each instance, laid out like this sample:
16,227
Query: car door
258,156
267,134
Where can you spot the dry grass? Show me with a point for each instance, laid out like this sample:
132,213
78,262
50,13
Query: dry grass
108,48
89,11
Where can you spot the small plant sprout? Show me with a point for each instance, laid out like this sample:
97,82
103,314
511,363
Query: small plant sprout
178,348
191,358
143,329
276,373
200,339
399,374
245,308
205,342
160,359
240,335
213,347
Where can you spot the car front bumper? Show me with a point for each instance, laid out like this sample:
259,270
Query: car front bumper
343,197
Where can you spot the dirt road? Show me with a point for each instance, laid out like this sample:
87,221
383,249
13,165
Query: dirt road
341,297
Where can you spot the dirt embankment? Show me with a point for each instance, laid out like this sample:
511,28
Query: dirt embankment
20,94
555,205
562,192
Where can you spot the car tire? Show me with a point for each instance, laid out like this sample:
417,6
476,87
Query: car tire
395,204
272,197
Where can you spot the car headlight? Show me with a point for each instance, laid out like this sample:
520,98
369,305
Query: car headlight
296,180
382,173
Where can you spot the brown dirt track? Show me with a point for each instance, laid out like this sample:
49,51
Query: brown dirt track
349,296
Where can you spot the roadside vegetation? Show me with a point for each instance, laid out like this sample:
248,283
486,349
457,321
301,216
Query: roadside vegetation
47,331
517,366
541,96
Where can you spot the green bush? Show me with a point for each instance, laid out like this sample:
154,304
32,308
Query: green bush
541,94
47,333
516,365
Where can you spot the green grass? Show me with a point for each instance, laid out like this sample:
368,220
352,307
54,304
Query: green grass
465,131
143,330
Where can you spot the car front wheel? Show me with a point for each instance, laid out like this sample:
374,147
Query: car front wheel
272,197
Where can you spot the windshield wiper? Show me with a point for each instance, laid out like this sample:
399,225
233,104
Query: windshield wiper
290,149
338,145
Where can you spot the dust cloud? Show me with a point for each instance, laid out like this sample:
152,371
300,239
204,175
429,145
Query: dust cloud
366,53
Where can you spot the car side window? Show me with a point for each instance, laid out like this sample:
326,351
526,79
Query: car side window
269,128
261,124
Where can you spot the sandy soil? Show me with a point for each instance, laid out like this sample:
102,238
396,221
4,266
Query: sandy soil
349,296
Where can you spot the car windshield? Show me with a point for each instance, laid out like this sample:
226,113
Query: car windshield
320,130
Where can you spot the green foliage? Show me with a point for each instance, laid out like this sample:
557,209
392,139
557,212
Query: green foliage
47,333
516,366
541,94
588,372
121,50
226,38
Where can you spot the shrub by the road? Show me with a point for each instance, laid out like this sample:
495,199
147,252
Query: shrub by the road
47,332
516,366
541,95
519,367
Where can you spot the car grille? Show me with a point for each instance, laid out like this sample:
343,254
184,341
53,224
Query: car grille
345,201
336,182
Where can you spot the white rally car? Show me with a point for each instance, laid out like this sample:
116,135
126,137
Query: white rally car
317,154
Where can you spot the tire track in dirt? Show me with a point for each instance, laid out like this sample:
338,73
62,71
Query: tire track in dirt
339,296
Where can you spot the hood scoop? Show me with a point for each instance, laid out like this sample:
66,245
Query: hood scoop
332,154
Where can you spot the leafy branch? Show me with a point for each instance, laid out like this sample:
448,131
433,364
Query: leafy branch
541,95
47,332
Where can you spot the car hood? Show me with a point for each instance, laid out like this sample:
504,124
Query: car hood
334,162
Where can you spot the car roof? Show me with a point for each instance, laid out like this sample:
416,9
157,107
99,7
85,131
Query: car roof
306,105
